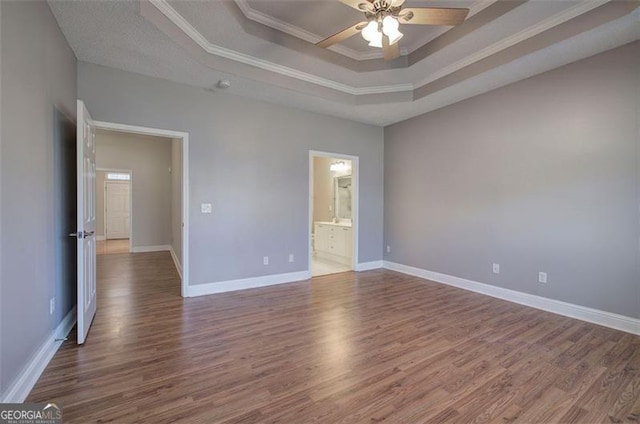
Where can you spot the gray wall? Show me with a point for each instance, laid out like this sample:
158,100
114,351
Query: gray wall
176,198
541,175
38,90
149,160
249,159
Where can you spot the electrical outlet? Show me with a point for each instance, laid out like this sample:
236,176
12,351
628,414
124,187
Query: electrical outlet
52,305
388,249
265,260
542,277
205,208
496,268
290,257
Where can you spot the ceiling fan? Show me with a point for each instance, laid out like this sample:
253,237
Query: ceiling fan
384,18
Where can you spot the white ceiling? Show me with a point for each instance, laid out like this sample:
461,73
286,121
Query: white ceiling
199,43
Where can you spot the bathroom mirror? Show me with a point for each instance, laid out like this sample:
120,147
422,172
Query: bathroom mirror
342,196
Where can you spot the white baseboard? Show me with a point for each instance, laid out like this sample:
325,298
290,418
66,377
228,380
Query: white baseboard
22,385
101,238
367,266
595,316
145,249
176,261
246,283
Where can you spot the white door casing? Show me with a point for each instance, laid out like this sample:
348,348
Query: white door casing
117,209
86,234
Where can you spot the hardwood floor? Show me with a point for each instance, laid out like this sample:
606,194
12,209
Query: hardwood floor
320,266
345,348
107,247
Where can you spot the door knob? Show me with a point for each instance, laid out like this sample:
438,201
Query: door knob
83,234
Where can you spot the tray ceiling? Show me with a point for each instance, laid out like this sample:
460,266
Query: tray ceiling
315,20
198,43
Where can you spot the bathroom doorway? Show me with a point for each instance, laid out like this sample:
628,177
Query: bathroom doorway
333,213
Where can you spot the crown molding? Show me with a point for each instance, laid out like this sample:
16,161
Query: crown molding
475,8
313,38
553,21
295,31
166,9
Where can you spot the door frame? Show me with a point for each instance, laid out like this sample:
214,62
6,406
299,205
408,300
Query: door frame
184,138
355,201
104,202
129,200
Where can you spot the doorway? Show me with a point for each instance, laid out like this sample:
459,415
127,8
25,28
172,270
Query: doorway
113,210
333,213
120,228
117,209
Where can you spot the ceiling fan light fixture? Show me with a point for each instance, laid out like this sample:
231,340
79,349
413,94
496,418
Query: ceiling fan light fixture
370,32
339,166
390,27
376,41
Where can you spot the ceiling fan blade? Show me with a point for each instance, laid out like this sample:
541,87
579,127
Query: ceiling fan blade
432,16
361,5
342,35
389,51
397,3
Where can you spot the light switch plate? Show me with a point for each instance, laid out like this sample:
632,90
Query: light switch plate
496,268
542,277
205,207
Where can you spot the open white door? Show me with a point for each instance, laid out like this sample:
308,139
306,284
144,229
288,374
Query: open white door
86,234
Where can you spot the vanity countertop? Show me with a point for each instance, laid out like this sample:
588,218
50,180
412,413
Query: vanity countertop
337,224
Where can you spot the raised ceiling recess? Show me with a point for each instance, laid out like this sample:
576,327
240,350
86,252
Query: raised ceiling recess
267,48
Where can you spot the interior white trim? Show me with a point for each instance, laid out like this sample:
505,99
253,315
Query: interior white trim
583,313
106,209
311,37
184,138
355,207
246,283
166,9
303,34
367,266
176,261
18,391
104,203
156,248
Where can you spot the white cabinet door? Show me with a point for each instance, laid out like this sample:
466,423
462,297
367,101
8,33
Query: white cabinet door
347,243
322,238
337,241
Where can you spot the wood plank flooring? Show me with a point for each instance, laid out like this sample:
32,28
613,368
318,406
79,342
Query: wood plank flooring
345,348
107,247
